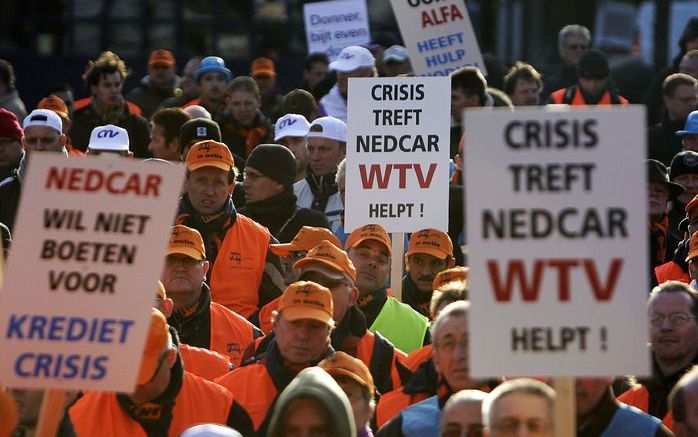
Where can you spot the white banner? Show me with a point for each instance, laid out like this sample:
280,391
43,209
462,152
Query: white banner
330,26
438,35
90,241
397,153
557,228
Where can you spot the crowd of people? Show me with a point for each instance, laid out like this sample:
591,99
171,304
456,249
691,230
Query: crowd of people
270,319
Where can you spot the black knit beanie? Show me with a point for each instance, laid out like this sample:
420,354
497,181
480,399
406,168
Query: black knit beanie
275,162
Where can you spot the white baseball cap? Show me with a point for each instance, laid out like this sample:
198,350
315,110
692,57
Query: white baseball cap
291,125
43,117
395,53
109,138
352,58
330,127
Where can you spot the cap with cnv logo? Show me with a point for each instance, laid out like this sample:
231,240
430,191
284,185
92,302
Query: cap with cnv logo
109,138
306,300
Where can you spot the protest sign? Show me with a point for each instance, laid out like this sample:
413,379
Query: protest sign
90,242
557,229
330,26
397,153
438,35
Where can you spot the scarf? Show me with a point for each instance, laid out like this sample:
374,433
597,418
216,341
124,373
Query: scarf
417,299
212,227
274,213
282,373
658,234
253,135
322,188
155,416
372,303
345,337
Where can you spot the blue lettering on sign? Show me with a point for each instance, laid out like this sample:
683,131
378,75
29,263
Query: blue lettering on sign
72,366
107,133
71,329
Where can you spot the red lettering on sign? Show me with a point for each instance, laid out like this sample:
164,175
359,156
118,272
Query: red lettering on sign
516,276
382,178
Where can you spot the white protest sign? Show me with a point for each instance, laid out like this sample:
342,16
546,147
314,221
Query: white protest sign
397,153
438,35
330,26
557,228
90,241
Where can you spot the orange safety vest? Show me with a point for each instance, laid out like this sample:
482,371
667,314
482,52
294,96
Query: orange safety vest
231,333
365,352
671,271
203,362
572,96
253,388
416,358
393,402
237,271
198,401
639,398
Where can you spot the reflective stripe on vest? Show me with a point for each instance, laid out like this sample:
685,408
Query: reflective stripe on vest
237,272
422,418
203,362
230,333
400,324
198,401
631,421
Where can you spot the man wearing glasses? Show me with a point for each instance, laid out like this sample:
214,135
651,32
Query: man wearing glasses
672,310
519,407
572,41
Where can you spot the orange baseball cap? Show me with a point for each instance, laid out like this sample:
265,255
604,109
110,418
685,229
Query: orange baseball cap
55,104
342,364
369,232
262,67
306,300
692,247
329,254
454,274
431,242
158,339
161,57
186,241
307,238
209,153
692,204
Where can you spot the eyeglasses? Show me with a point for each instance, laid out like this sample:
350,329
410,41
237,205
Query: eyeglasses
455,430
510,425
675,319
577,46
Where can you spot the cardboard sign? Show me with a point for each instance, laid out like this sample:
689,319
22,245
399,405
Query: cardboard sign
331,26
397,153
90,241
438,35
557,228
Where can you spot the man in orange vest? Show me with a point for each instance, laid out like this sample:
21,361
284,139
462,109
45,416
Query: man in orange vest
197,360
673,310
199,321
594,86
302,328
244,275
166,400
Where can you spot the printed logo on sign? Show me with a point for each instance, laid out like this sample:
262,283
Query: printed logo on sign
201,131
107,133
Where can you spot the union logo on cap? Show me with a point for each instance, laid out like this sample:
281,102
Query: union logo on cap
201,131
